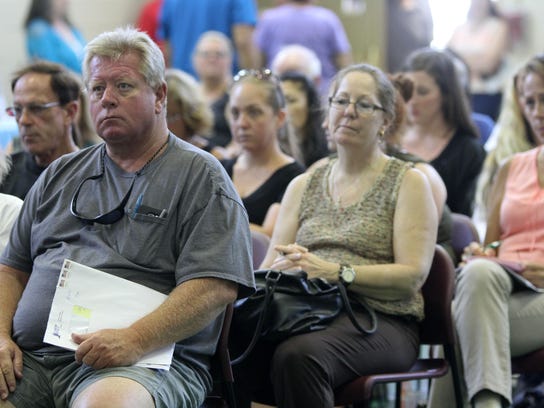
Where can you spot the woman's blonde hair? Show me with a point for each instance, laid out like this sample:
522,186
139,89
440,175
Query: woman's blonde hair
185,91
512,131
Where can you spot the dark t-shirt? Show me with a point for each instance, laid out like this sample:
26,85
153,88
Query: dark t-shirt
459,165
23,174
221,135
268,193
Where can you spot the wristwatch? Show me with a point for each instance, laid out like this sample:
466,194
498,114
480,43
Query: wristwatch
346,274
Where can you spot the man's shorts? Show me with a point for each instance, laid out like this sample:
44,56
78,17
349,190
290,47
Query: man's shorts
55,380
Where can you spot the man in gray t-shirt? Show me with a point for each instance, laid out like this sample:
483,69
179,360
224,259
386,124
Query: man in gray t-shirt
144,206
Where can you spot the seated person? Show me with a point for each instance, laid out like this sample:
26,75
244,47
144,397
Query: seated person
45,105
212,61
262,171
495,318
188,116
366,221
143,206
297,58
305,114
440,130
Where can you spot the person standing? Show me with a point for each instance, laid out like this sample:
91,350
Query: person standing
143,206
51,36
483,41
148,19
181,22
45,105
302,22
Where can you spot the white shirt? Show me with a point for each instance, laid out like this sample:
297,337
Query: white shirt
9,210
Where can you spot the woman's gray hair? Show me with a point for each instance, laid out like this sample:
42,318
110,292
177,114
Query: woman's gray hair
5,165
386,91
115,44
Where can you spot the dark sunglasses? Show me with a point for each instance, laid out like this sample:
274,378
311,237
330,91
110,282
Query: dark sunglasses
111,217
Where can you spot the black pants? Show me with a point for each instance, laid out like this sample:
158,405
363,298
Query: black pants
304,370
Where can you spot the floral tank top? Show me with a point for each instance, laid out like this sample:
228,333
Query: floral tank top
360,234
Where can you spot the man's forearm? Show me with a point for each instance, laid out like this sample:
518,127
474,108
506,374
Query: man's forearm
12,284
188,309
243,42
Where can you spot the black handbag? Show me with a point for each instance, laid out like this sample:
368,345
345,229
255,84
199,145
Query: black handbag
287,304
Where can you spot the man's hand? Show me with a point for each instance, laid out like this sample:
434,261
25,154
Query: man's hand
11,366
108,348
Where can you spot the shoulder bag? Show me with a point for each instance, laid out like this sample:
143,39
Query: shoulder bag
286,304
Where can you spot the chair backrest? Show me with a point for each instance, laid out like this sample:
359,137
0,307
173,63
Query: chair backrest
438,290
261,242
463,233
222,394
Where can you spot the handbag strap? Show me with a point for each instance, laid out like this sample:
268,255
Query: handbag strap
351,315
272,277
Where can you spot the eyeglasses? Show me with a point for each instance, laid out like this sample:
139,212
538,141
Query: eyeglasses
361,107
111,217
262,74
34,109
212,54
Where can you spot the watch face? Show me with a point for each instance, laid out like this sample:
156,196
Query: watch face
348,274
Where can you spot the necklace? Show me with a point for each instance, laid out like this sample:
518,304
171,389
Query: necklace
348,193
152,158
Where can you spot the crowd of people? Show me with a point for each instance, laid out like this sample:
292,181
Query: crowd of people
155,156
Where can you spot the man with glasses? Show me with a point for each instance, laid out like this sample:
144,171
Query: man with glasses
45,106
212,61
143,206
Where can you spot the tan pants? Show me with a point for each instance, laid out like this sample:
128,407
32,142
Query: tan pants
493,322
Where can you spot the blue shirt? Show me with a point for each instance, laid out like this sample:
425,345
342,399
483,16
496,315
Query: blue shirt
43,42
181,22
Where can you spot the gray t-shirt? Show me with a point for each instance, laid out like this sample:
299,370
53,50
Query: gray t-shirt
203,232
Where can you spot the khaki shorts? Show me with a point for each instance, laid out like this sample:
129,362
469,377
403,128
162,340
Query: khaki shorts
55,380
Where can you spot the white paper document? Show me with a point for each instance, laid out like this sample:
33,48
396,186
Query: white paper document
87,300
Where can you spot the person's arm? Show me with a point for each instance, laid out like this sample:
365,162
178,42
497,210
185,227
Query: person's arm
414,236
201,300
438,188
342,60
12,284
286,227
483,60
242,36
496,196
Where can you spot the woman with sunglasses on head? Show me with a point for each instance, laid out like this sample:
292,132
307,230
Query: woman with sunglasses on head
363,220
495,317
258,120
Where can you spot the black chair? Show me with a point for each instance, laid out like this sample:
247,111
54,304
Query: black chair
222,394
436,329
